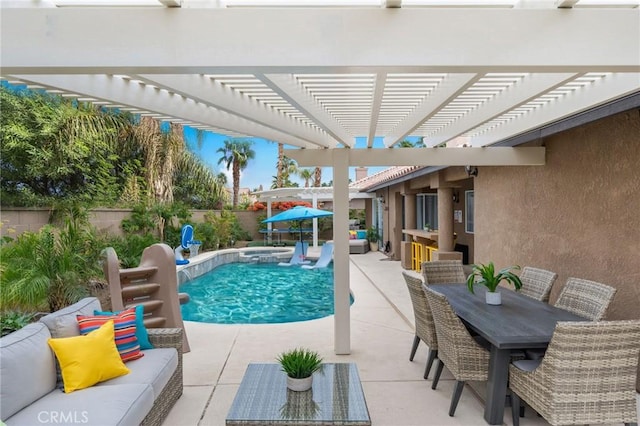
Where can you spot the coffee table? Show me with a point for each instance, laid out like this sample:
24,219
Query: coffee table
336,398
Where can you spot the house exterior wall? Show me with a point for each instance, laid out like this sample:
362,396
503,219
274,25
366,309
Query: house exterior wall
577,215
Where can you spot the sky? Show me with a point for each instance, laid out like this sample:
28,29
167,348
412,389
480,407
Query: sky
262,169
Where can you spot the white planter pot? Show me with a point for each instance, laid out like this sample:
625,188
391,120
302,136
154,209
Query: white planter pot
493,298
299,385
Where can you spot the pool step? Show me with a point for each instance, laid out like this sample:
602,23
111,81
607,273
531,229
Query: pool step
137,290
130,275
155,322
150,305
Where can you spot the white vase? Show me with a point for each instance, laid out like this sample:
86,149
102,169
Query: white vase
299,385
493,298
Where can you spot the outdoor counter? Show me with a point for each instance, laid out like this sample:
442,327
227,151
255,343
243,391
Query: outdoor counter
423,244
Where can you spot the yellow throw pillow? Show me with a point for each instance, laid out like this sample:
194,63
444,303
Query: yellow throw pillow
87,360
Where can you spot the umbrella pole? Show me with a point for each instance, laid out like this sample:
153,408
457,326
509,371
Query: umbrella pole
301,241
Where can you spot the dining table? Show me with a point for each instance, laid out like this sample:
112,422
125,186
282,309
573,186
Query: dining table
519,323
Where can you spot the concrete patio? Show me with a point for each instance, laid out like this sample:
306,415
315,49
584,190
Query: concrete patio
381,337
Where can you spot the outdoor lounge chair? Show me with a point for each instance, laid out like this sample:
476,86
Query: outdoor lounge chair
298,255
326,255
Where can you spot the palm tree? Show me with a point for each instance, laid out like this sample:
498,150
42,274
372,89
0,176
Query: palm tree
405,144
280,166
163,151
317,177
236,154
305,174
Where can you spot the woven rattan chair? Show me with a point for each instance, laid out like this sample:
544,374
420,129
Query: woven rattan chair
443,272
589,299
460,352
588,375
425,329
537,283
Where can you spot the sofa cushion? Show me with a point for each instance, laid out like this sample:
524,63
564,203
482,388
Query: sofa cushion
155,369
141,331
125,331
98,405
63,323
25,358
87,360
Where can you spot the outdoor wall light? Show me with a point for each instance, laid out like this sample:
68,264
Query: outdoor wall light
456,196
471,171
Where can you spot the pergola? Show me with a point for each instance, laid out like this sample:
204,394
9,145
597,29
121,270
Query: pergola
315,75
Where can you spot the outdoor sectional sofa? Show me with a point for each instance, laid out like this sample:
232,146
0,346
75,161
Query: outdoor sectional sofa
30,395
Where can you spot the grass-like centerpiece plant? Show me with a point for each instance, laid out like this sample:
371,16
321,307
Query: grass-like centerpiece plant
299,365
486,275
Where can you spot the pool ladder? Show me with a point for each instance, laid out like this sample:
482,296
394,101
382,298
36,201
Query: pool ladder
153,284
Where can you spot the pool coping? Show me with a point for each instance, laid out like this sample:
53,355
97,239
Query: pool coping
208,261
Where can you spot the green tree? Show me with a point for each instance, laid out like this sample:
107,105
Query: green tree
306,175
236,154
54,148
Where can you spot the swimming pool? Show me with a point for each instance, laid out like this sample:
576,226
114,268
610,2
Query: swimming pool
259,293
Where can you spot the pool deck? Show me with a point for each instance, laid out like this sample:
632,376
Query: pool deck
381,337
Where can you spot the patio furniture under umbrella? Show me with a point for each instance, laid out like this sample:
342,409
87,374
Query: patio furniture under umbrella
298,214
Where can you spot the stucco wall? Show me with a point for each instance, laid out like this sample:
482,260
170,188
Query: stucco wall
578,215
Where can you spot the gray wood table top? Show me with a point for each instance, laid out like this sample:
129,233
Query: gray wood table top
519,323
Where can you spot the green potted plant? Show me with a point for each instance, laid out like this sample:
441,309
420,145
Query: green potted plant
489,278
373,236
299,365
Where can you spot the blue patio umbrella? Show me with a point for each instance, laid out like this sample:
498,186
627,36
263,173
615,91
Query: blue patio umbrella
298,213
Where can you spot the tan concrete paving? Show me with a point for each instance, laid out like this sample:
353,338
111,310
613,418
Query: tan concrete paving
381,337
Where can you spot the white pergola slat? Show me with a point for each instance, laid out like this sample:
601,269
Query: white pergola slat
212,93
318,77
289,89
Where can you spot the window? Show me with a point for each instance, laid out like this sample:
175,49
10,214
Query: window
427,210
469,206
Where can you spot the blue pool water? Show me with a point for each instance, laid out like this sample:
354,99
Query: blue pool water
259,293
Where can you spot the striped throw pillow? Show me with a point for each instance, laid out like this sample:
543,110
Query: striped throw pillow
125,331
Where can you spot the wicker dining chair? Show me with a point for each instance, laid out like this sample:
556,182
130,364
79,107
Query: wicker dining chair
463,356
443,272
537,283
587,376
589,299
425,329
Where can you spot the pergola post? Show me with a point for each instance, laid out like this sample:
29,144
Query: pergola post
342,324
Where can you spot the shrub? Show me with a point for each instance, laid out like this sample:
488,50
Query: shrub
11,321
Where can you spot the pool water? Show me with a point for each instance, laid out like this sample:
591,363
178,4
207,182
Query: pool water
259,293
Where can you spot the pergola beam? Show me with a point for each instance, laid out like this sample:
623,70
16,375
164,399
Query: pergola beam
496,156
294,40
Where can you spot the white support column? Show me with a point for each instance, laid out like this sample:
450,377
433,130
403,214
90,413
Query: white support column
342,325
314,204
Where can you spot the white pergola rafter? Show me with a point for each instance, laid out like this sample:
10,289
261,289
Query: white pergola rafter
212,93
290,90
532,86
118,90
448,89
